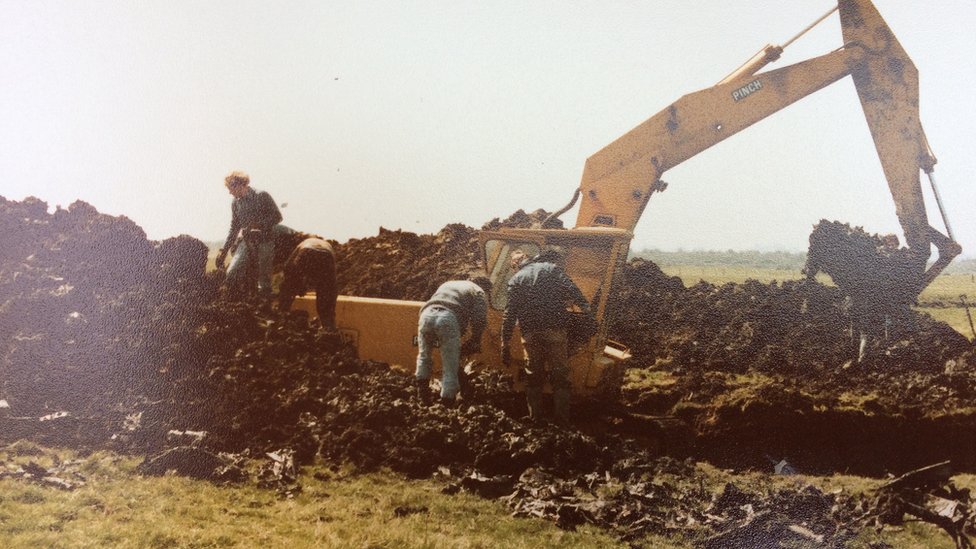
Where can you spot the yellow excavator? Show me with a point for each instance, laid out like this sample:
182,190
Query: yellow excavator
619,180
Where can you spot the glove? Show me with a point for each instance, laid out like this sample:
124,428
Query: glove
221,256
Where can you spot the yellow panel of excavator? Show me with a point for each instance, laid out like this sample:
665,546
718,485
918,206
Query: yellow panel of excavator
384,330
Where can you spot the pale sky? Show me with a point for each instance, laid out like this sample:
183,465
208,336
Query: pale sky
417,114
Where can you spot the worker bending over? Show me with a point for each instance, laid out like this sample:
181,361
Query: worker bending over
443,320
312,266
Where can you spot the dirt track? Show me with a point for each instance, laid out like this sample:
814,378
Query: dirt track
130,338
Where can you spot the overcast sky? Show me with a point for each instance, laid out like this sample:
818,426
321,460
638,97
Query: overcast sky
417,114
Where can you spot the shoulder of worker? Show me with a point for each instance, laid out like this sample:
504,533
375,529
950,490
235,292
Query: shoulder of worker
458,288
455,295
249,196
256,194
315,243
531,271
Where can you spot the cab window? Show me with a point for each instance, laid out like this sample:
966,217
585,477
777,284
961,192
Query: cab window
499,254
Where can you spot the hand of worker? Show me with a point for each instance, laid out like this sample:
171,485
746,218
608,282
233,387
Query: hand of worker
221,256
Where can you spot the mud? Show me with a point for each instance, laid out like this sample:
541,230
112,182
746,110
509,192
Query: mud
118,340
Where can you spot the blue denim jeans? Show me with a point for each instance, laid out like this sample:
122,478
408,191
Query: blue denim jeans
238,267
438,325
244,256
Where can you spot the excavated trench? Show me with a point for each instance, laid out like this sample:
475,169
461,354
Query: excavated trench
110,340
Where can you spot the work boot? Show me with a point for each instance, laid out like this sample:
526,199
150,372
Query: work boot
448,402
422,387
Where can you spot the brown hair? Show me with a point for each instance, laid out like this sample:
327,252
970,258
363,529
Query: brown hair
237,179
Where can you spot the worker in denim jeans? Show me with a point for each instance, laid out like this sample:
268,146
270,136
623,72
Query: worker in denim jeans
254,220
443,320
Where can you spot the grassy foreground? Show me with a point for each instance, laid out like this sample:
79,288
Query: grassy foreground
118,508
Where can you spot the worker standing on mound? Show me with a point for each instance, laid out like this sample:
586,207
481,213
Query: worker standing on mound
254,218
443,320
539,295
311,265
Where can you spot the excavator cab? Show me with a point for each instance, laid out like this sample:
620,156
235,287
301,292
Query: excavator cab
500,268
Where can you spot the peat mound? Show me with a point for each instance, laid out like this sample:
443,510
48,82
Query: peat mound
97,320
795,328
89,306
108,339
872,269
403,265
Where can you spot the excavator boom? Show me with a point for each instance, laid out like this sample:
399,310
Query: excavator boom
617,180
887,86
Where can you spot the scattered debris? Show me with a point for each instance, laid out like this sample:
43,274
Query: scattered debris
280,473
62,475
182,460
929,495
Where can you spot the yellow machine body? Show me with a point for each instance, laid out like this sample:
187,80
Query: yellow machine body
385,330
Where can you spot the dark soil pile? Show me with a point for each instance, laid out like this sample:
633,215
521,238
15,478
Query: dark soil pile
878,276
90,310
405,265
801,337
795,328
116,341
772,369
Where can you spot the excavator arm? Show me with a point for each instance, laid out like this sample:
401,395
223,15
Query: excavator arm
887,86
618,180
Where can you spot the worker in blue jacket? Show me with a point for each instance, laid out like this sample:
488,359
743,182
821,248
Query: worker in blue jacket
539,296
